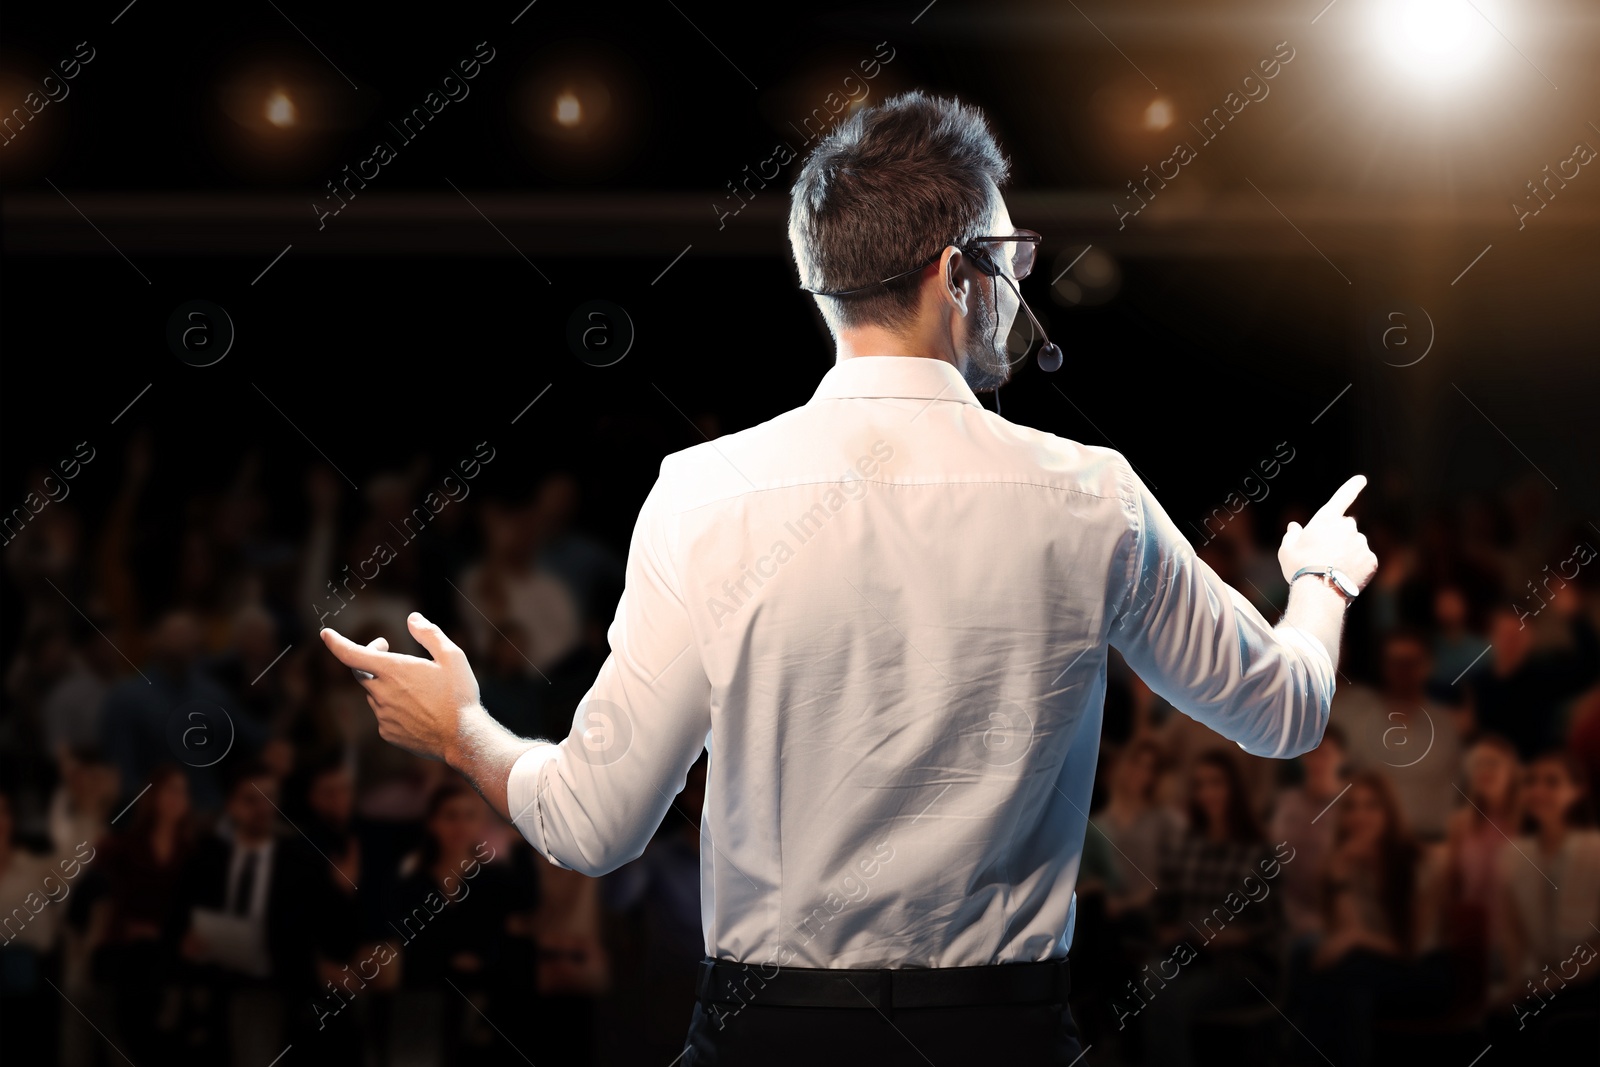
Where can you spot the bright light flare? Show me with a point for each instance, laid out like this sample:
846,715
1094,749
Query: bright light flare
1158,115
280,110
1434,40
568,111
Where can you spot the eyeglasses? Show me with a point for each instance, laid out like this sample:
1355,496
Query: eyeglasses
1024,244
1023,253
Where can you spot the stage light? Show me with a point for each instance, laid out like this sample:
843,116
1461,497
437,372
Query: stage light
568,111
1434,41
280,109
578,110
29,136
276,117
1158,115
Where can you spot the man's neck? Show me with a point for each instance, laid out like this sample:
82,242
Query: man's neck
877,341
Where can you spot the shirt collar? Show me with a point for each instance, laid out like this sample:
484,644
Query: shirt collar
912,377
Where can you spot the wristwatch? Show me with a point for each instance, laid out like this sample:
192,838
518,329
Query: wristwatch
1336,578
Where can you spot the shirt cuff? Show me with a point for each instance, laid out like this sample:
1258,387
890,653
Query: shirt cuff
525,796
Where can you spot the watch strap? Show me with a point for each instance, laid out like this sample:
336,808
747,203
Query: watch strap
1337,578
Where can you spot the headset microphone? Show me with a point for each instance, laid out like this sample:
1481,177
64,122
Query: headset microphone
1049,356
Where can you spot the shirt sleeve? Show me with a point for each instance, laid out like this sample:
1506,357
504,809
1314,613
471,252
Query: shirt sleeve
591,802
1204,648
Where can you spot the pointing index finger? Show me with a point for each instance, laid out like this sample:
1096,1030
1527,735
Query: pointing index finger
1344,496
353,655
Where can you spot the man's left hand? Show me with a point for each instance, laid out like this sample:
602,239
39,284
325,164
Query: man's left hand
421,704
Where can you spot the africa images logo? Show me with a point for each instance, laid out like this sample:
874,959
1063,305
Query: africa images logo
200,733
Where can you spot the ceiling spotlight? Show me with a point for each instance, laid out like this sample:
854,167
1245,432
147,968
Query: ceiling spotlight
1158,115
1434,40
568,111
280,109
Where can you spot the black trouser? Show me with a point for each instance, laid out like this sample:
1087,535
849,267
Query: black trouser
1010,1012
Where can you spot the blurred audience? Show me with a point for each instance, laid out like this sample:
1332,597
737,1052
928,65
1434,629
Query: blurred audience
1398,729
1371,960
136,882
1209,920
251,907
1299,818
252,867
1468,875
1535,668
1550,894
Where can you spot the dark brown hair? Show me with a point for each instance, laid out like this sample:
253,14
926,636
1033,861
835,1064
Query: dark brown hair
144,818
1581,812
886,189
1242,822
1398,856
442,794
1158,762
1499,744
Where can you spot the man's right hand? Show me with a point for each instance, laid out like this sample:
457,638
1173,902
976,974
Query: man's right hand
1330,539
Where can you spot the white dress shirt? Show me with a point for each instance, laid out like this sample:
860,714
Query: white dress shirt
252,955
257,913
886,615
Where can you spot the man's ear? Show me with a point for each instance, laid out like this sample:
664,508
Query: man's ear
956,289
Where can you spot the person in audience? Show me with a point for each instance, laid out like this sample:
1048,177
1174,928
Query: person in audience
1583,735
1184,739
1469,880
83,805
248,670
574,964
507,689
1298,819
662,890
347,579
60,689
589,569
1139,829
1521,694
1213,919
1122,853
30,925
1370,961
247,920
509,583
138,877
325,800
1398,730
1550,899
455,912
1456,649
139,711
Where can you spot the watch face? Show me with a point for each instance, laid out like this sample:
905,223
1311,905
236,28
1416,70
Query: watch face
1343,583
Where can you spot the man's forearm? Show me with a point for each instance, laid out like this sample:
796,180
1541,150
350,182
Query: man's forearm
1318,610
484,754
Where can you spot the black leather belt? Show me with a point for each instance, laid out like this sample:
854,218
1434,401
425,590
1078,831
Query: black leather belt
729,983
